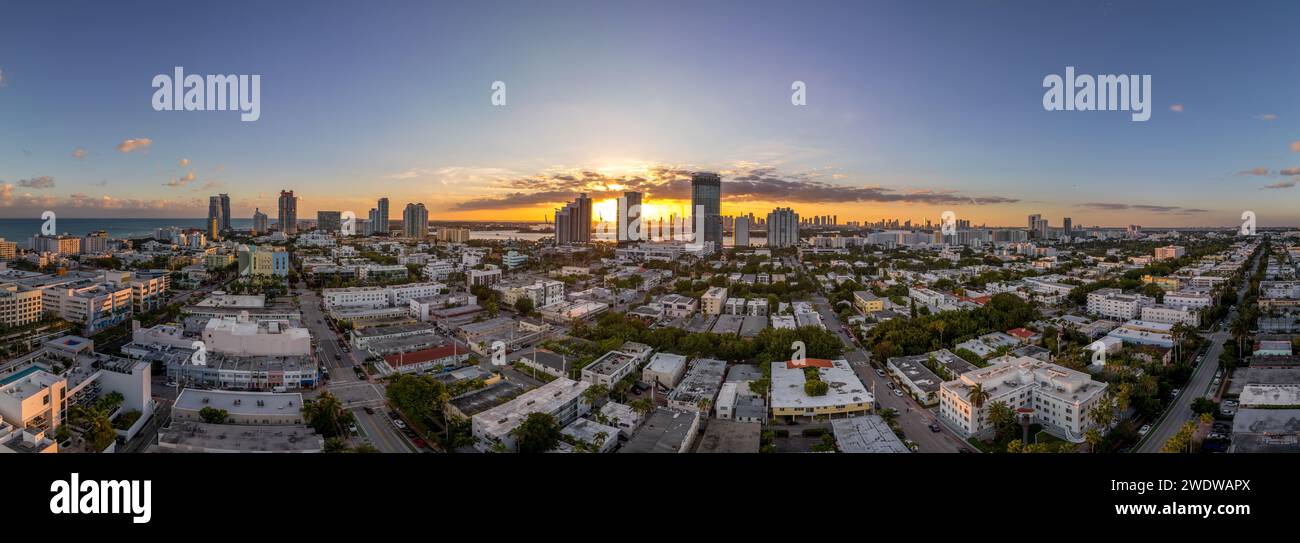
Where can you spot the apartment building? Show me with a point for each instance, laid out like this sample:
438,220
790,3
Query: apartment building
1168,314
242,336
1056,397
711,303
94,305
561,398
845,394
1113,303
20,304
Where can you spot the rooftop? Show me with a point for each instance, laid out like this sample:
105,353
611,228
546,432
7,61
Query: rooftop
239,402
788,385
866,434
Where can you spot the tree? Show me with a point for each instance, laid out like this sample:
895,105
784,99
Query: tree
326,415
1182,441
335,445
642,406
1003,419
978,396
540,432
595,393
524,306
212,415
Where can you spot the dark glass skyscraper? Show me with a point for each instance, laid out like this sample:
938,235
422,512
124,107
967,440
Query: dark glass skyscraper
225,212
706,191
629,213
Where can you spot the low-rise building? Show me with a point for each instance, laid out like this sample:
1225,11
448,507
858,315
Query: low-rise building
1056,397
561,398
844,392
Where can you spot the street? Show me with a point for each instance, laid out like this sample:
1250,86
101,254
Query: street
1180,411
356,394
914,418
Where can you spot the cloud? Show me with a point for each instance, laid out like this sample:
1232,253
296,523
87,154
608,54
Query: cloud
42,182
1266,117
1149,208
2,78
1254,171
1289,171
185,162
1295,147
184,180
745,184
79,153
1176,108
101,183
130,145
1280,185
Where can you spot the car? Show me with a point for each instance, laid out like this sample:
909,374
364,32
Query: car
964,450
880,372
934,427
370,410
1175,392
354,430
898,393
1144,429
1228,411
419,443
398,423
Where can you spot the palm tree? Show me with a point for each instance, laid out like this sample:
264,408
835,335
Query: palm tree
978,396
326,414
703,404
1240,328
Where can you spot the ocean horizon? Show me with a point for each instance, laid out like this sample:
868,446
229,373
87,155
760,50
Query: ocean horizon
21,230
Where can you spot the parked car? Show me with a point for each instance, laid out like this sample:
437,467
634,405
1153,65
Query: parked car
934,427
398,423
898,393
880,372
370,410
1144,429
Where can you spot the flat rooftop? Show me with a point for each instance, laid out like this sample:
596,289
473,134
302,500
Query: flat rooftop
544,399
664,431
1254,395
183,436
729,436
485,398
845,387
240,402
866,434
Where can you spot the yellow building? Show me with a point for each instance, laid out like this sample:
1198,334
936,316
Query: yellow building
866,302
1166,283
794,395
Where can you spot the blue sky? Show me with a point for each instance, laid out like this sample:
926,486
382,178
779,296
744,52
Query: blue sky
913,107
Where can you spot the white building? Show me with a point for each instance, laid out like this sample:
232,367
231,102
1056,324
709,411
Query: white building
242,336
665,369
1113,303
1056,397
1168,314
561,398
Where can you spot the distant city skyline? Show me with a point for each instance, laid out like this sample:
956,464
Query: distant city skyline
908,114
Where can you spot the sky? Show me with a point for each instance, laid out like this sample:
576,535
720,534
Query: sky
912,108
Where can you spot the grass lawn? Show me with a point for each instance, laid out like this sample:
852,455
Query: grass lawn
1042,437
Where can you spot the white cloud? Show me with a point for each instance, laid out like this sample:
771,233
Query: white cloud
130,145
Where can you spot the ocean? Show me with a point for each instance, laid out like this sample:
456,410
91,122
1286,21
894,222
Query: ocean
21,230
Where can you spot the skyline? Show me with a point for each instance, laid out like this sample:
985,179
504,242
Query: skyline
908,114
